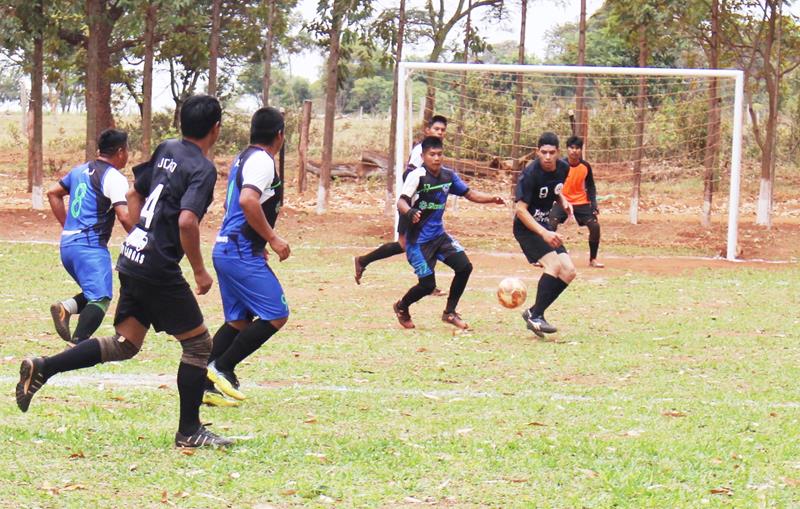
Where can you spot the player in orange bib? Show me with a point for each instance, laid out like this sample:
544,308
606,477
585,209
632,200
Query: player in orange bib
580,191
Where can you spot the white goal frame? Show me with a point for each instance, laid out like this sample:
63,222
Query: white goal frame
406,69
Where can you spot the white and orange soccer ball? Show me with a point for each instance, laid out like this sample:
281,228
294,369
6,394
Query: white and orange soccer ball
512,292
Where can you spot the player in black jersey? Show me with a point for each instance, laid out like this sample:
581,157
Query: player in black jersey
170,195
538,188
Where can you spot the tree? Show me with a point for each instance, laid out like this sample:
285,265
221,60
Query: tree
216,20
518,95
151,14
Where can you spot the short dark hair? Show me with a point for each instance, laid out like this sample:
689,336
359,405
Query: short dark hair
199,114
547,138
575,141
265,125
440,119
431,142
110,141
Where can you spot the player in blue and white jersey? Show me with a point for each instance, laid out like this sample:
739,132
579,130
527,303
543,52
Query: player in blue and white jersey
252,298
96,193
422,202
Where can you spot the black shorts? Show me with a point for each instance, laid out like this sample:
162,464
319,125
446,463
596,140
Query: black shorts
583,214
170,308
402,225
533,245
423,257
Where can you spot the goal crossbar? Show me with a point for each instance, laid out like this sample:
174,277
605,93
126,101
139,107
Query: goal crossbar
406,69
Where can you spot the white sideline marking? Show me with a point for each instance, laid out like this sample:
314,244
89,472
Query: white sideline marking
99,382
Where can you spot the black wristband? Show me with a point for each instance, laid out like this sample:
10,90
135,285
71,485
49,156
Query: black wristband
411,213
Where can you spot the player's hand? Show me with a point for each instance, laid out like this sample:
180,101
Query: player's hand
414,215
203,281
281,247
568,209
553,239
498,200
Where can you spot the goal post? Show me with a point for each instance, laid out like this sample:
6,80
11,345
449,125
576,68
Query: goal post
612,79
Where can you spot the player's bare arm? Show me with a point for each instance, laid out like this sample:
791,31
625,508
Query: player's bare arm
405,209
135,204
250,202
521,211
123,216
481,197
565,204
55,195
189,226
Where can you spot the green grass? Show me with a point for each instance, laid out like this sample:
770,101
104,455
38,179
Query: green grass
658,391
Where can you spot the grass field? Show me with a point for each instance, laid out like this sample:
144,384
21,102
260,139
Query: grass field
662,391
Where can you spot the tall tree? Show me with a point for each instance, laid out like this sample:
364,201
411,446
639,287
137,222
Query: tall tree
269,44
216,21
580,108
151,14
710,156
515,147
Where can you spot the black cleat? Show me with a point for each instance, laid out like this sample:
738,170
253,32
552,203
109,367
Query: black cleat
31,380
537,324
201,438
61,321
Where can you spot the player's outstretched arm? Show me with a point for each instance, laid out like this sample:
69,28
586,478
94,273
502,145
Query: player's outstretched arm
250,201
55,195
521,211
135,204
481,197
189,226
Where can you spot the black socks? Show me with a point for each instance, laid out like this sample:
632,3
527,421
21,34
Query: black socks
83,355
88,321
594,238
425,286
191,382
247,341
549,289
385,251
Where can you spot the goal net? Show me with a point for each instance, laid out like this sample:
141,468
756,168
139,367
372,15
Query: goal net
640,125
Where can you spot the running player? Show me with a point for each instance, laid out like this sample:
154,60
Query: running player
252,298
538,188
580,191
436,127
422,201
96,193
170,195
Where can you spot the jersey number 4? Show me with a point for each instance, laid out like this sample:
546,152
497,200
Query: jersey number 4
149,208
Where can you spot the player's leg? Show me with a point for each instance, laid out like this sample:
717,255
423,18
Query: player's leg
559,272
423,260
62,311
594,242
454,257
386,250
557,216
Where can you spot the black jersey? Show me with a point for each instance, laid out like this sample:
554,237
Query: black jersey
540,189
178,177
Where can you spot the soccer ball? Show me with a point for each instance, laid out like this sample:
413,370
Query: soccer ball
512,292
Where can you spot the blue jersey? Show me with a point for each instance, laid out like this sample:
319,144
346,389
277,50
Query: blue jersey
428,193
95,188
253,168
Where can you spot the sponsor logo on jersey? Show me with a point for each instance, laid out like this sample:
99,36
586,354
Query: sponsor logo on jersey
168,164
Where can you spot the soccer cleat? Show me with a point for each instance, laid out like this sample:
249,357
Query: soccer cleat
359,269
596,264
61,321
403,316
201,438
454,319
537,324
224,382
213,397
438,293
31,380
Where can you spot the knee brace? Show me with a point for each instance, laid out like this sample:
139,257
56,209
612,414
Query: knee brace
116,348
196,350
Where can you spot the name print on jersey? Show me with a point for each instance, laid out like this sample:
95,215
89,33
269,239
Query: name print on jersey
167,164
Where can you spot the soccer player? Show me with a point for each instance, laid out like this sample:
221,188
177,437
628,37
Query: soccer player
96,193
436,127
422,202
252,298
538,188
580,191
170,195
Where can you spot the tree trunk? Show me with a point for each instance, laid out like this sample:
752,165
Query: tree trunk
216,19
302,147
93,13
105,118
640,116
772,76
462,96
37,77
24,103
268,47
323,190
391,199
147,80
582,126
515,148
711,155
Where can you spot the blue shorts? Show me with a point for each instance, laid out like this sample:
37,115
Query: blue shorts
423,257
249,288
90,267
